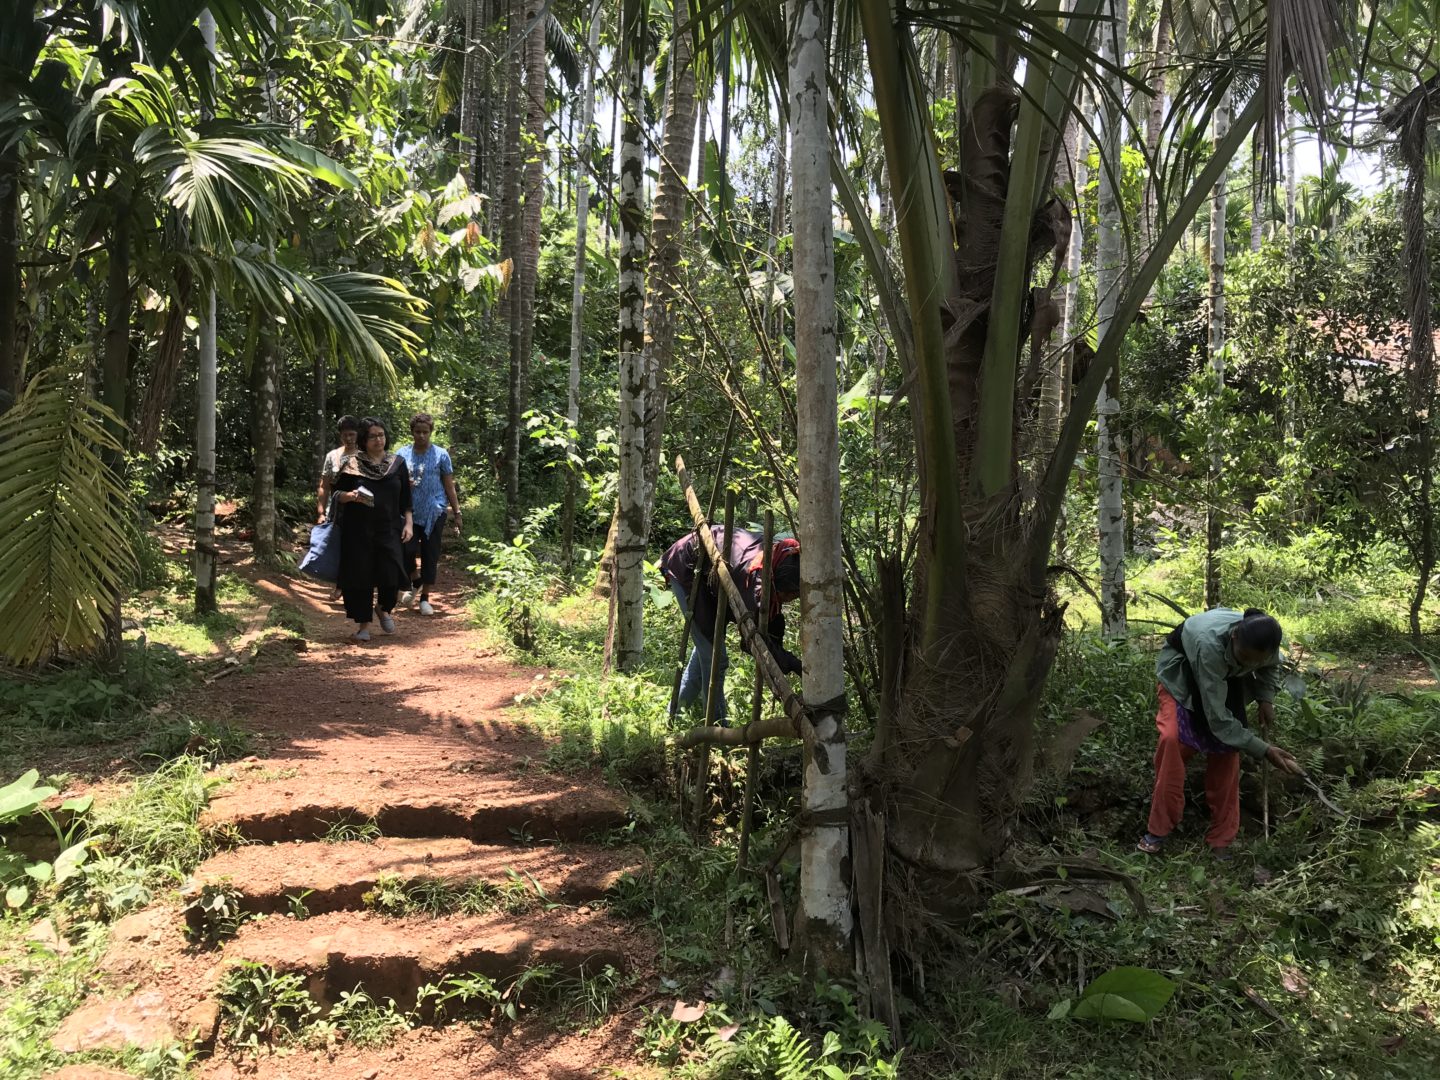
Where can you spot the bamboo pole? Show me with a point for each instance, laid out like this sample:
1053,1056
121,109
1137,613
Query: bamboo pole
774,678
701,564
752,757
716,690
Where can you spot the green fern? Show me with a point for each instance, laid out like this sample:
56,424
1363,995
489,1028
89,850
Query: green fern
62,517
790,1054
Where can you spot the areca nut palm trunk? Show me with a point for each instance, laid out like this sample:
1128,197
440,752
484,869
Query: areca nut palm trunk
512,245
1110,277
1215,354
825,922
1155,113
630,517
1411,122
1055,387
577,295
265,395
9,276
536,84
472,92
666,219
205,412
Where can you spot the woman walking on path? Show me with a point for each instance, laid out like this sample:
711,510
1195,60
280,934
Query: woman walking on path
1212,666
432,479
375,523
349,429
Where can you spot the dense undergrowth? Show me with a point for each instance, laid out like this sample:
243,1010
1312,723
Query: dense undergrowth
1313,953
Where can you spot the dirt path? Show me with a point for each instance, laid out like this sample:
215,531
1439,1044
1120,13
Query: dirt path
407,736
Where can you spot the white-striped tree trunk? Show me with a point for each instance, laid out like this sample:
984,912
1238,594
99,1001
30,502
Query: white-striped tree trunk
1109,280
663,276
205,411
1215,351
824,922
577,295
630,531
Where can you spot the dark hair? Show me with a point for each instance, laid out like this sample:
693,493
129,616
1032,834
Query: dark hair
348,423
786,577
1259,631
422,418
370,422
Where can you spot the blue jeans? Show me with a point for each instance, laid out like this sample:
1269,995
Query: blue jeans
695,682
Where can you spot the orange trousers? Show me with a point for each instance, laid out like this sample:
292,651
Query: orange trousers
1222,782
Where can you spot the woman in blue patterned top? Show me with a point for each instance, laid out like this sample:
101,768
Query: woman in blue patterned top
432,480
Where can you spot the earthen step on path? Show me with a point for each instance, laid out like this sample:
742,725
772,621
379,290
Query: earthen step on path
505,813
394,957
337,876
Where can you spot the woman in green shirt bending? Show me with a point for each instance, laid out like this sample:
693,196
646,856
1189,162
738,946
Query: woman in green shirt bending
1212,666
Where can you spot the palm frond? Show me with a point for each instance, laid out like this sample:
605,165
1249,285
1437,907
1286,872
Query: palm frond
61,515
563,53
367,319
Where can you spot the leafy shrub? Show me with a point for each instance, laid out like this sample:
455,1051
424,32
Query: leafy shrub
260,1004
517,585
20,875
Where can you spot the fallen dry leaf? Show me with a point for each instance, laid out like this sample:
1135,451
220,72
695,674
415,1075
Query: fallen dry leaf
1294,980
728,1032
688,1014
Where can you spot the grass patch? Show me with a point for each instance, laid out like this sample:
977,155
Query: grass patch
87,705
397,897
156,823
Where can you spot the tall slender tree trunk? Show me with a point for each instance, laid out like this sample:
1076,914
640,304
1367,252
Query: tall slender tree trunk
1110,275
513,246
773,311
1055,387
322,411
472,95
630,530
265,394
611,208
1259,200
10,367
825,922
1421,367
1215,350
1290,178
1155,115
115,361
577,298
663,272
528,267
206,559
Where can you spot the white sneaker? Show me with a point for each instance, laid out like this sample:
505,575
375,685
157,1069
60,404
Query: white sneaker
387,624
360,635
407,598
425,608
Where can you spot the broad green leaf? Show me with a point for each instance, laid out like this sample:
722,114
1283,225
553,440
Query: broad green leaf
1125,993
16,895
40,871
19,798
68,863
79,804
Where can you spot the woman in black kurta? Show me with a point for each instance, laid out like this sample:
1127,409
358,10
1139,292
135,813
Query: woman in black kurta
371,536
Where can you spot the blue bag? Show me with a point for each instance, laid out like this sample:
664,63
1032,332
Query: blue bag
323,558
